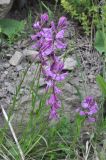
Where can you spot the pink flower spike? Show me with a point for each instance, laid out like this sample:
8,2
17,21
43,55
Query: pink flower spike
48,39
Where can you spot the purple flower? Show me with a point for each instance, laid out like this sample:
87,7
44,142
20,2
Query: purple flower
44,18
53,27
60,34
62,23
57,90
91,119
55,40
59,44
88,108
37,25
57,65
52,100
55,76
46,48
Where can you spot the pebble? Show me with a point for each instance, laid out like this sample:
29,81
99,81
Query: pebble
31,55
70,63
6,65
5,72
19,68
16,58
10,88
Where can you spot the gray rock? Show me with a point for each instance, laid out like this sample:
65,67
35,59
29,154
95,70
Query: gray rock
31,55
5,6
2,94
70,63
9,87
2,77
19,68
5,72
6,65
16,58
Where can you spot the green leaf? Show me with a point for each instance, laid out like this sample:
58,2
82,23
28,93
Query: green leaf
11,27
102,84
100,41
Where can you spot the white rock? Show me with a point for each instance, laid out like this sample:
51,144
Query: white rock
70,63
16,58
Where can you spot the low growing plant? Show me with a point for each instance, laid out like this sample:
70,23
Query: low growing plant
85,11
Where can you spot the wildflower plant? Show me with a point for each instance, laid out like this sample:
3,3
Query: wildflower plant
49,38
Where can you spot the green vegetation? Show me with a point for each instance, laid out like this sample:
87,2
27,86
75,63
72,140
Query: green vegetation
84,11
11,28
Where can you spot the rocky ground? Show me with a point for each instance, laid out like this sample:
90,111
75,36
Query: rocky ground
83,63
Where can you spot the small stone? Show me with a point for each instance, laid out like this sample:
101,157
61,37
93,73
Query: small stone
2,77
8,56
91,76
31,55
70,63
42,82
5,72
6,84
9,87
19,68
1,67
2,94
16,58
6,65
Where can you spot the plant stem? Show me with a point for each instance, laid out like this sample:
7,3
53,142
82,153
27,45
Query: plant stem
13,133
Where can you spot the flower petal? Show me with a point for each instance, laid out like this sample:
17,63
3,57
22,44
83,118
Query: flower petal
60,45
60,34
62,22
44,18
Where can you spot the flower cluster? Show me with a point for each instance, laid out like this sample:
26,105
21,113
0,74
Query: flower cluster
89,108
48,39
